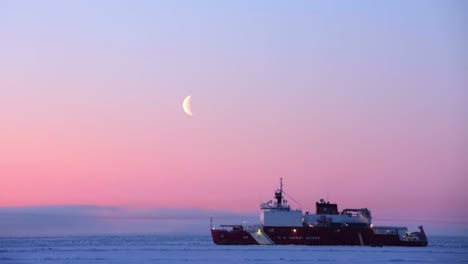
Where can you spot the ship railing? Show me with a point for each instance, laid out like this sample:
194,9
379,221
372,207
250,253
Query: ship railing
232,227
253,228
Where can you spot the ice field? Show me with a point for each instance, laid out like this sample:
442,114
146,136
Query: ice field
200,249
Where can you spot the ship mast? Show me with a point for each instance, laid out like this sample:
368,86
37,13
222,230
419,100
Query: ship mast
281,185
279,194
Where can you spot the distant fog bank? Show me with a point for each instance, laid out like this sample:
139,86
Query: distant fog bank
100,220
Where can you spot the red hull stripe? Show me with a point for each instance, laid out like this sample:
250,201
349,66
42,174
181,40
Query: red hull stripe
313,236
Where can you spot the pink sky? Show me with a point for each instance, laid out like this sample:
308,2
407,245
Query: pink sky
363,109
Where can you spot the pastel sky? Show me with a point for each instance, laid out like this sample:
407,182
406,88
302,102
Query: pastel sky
361,102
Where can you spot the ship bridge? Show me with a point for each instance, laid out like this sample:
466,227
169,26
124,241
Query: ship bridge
279,213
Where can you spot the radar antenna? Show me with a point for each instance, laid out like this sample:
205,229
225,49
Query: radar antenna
279,194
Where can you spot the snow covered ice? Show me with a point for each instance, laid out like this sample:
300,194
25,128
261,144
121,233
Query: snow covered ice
200,249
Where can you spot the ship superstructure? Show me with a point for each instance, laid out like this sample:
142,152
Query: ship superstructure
279,224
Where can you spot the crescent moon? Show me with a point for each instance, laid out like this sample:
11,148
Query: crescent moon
186,105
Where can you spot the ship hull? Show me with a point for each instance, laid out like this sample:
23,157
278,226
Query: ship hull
332,236
232,237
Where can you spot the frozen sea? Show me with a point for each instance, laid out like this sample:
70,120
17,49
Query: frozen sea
200,249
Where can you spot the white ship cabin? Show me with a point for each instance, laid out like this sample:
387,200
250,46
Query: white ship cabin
327,214
273,215
279,213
